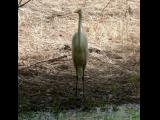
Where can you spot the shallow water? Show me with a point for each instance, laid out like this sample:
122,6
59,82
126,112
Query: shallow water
112,112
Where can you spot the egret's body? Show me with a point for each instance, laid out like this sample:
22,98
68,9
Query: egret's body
79,52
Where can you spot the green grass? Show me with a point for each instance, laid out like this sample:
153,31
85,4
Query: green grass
24,103
133,80
123,113
114,88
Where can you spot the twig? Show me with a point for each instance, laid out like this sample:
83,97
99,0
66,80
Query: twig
100,19
105,6
23,3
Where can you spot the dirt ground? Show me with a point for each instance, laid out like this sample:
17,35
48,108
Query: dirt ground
46,73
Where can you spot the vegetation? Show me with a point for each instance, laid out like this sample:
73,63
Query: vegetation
124,112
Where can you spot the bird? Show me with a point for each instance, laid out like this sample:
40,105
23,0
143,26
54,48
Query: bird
79,51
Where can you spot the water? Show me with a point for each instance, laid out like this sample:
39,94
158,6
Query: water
123,112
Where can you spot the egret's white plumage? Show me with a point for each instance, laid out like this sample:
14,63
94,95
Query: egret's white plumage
79,51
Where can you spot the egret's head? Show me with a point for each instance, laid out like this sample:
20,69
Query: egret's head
79,11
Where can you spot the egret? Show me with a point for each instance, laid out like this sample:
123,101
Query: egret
79,51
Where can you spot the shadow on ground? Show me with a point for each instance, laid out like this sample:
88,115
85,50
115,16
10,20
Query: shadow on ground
45,87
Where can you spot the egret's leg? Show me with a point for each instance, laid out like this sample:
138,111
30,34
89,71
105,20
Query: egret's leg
76,82
83,81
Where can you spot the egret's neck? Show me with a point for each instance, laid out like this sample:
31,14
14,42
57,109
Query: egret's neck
79,27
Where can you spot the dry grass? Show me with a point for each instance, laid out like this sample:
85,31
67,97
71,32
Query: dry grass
45,32
42,32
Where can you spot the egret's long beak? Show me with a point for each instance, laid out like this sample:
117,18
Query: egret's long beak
77,11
